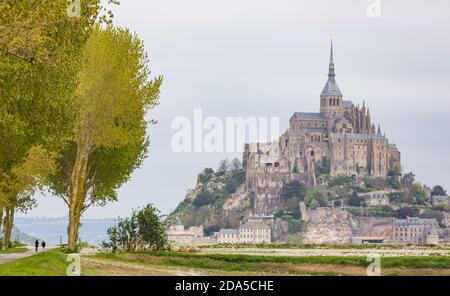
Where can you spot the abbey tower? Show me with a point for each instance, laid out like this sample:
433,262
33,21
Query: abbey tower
341,134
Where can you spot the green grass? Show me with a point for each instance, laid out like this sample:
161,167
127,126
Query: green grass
276,264
14,250
328,246
49,263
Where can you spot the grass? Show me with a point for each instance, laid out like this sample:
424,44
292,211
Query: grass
14,250
49,263
329,246
270,264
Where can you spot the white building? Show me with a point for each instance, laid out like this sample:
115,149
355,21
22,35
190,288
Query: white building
178,235
374,199
228,236
255,232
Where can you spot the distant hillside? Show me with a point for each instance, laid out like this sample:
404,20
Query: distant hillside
214,193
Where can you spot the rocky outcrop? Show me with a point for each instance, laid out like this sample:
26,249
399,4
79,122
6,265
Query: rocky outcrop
329,225
338,226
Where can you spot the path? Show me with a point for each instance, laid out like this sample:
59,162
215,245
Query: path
15,256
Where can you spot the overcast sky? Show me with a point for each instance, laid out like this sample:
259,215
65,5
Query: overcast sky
270,58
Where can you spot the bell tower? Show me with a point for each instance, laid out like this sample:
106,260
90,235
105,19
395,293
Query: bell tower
331,96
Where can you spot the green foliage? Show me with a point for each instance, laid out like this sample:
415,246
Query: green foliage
396,197
204,198
341,181
293,189
381,211
430,213
418,193
355,200
324,168
405,212
295,225
375,183
144,229
439,191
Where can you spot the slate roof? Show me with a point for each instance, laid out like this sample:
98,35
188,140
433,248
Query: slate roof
308,116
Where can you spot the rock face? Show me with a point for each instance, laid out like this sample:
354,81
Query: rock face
338,226
329,225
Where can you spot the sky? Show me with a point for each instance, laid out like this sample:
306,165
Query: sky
270,58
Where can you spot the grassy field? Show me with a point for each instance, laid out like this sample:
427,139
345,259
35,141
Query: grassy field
14,250
279,265
49,263
330,246
53,263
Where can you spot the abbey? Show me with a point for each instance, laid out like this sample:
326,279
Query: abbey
341,135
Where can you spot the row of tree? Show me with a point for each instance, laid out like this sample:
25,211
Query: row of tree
74,93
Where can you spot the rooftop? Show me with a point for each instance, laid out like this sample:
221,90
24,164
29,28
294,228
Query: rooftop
307,116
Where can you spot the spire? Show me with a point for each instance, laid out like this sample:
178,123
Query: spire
331,72
331,89
379,130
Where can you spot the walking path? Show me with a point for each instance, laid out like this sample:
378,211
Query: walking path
15,256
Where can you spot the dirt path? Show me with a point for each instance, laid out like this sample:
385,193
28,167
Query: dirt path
116,268
15,256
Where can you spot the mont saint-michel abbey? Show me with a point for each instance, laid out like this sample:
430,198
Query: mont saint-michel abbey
342,134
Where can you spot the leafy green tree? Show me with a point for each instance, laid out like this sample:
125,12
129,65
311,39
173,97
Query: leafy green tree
40,49
314,204
402,213
439,191
311,199
150,228
293,189
355,200
418,193
324,168
109,140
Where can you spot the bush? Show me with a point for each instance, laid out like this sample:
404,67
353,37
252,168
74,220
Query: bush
204,198
402,213
293,189
341,181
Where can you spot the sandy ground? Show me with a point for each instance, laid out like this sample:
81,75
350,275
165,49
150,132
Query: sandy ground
325,252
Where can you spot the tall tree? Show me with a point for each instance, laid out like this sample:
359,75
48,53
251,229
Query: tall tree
40,48
439,190
109,140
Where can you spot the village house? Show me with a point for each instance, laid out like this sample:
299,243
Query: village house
228,236
446,220
255,232
416,231
375,199
178,235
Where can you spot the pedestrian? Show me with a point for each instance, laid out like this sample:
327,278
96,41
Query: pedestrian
43,245
36,245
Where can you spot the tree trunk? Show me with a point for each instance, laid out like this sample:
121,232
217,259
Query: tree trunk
8,223
77,195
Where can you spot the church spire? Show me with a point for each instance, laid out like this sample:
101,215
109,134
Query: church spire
331,72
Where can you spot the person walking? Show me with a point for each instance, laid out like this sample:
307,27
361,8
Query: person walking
43,245
36,245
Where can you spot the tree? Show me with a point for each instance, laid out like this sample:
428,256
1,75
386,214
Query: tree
40,49
151,229
236,165
408,180
293,189
430,214
109,140
311,199
403,213
355,200
224,166
324,168
418,194
438,190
